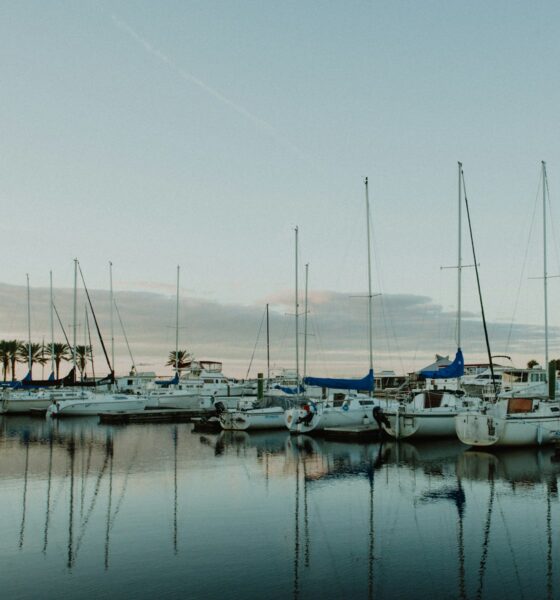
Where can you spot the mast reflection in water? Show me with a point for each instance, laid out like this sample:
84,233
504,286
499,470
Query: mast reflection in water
158,510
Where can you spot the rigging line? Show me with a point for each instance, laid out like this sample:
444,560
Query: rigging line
396,340
523,266
478,286
90,346
255,346
61,326
124,334
96,323
553,229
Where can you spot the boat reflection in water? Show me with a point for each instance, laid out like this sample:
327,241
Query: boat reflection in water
150,510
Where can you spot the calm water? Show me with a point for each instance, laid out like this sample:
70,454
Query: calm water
158,511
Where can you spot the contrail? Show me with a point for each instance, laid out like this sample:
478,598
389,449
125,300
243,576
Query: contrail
201,84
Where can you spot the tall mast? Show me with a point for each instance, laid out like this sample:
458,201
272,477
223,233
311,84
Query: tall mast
305,324
85,339
267,349
52,324
177,325
544,188
75,315
296,301
370,295
459,256
111,302
29,325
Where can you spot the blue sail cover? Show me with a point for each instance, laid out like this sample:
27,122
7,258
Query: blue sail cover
364,384
289,390
173,381
455,369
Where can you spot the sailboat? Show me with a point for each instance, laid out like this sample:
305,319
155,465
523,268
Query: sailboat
431,412
267,413
85,401
30,394
524,417
349,407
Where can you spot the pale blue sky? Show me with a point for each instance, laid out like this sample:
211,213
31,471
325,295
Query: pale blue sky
200,133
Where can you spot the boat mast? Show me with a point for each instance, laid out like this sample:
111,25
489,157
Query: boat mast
75,315
111,301
297,315
177,326
29,326
85,340
370,295
52,324
305,324
267,349
545,186
459,256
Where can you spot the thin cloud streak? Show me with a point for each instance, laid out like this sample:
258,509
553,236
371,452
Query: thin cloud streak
186,76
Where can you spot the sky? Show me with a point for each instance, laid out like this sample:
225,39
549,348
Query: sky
201,133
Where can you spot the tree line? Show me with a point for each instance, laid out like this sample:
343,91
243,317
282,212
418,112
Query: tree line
15,351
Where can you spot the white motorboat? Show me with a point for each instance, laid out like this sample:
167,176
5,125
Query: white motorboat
204,381
93,404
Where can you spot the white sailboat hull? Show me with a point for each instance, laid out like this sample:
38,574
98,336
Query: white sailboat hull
477,429
334,417
421,425
266,418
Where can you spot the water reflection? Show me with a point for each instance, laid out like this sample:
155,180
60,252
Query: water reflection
161,509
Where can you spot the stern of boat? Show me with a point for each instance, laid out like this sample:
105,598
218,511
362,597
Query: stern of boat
477,429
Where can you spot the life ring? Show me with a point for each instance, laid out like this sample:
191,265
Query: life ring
345,407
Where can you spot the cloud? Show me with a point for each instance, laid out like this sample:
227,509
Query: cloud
408,330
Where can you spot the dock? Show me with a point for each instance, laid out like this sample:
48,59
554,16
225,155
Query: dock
182,415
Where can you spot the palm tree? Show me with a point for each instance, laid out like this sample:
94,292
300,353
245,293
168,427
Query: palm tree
12,349
83,354
532,363
59,352
4,359
184,359
37,354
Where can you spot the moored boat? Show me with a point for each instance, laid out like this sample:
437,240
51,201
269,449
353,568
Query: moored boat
93,404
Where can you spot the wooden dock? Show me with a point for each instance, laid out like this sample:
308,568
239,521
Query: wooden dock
182,415
363,433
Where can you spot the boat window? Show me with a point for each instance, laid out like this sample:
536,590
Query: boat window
554,409
520,405
129,382
338,399
432,399
366,402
